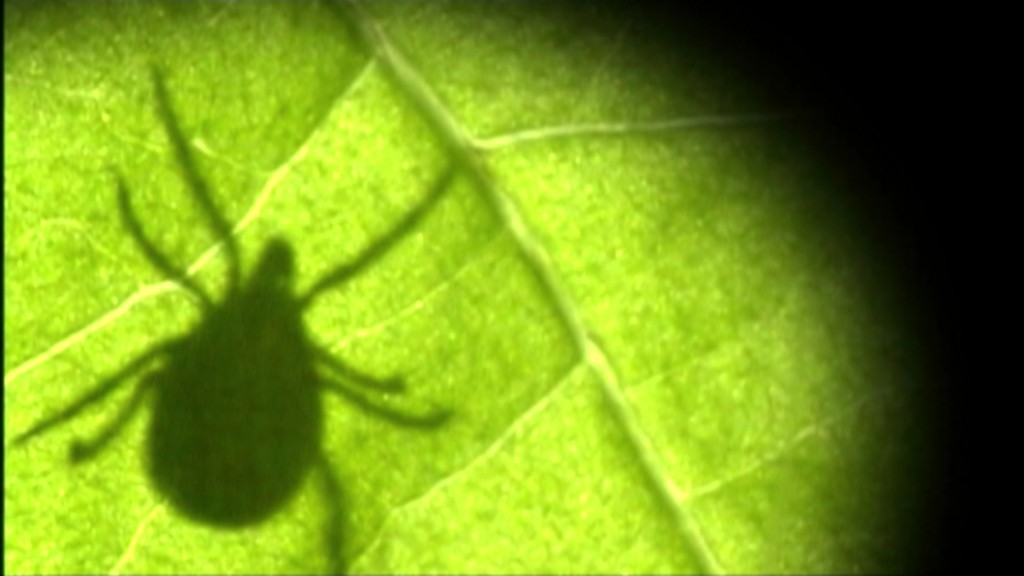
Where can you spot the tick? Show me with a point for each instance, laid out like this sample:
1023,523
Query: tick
237,421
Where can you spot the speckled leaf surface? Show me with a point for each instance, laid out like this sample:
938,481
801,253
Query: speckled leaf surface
641,296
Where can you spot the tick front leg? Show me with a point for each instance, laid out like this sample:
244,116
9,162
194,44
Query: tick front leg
95,395
149,249
196,184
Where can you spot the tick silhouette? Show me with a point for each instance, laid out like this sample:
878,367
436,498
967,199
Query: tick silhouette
237,420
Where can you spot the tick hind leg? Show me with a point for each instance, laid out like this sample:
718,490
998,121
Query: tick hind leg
350,374
334,524
196,185
101,391
429,419
87,449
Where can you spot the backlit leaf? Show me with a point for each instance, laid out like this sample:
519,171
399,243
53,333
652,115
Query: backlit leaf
645,295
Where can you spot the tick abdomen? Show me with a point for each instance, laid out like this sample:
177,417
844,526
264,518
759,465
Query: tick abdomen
239,425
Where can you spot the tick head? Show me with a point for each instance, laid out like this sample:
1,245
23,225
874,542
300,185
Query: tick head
276,267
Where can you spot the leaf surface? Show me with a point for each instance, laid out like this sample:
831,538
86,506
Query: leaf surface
643,296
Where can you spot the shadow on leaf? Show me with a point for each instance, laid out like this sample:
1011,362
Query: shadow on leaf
237,417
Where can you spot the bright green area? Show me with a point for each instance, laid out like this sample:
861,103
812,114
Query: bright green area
717,268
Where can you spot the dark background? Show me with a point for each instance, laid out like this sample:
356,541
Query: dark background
883,80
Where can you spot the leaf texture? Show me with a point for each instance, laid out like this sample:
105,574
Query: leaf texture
642,297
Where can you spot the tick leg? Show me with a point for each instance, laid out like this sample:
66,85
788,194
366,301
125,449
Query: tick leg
431,419
197,186
94,395
85,450
383,244
153,254
352,375
334,526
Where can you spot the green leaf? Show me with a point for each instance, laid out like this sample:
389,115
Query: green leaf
645,295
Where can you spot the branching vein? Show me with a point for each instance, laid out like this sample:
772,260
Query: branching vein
620,128
784,448
534,254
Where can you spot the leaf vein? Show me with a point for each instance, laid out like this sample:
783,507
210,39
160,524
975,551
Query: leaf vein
421,302
628,128
129,553
783,448
536,257
511,431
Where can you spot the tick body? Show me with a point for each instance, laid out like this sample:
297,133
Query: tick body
237,417
238,401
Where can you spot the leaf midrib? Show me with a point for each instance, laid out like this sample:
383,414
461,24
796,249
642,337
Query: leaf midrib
459,141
